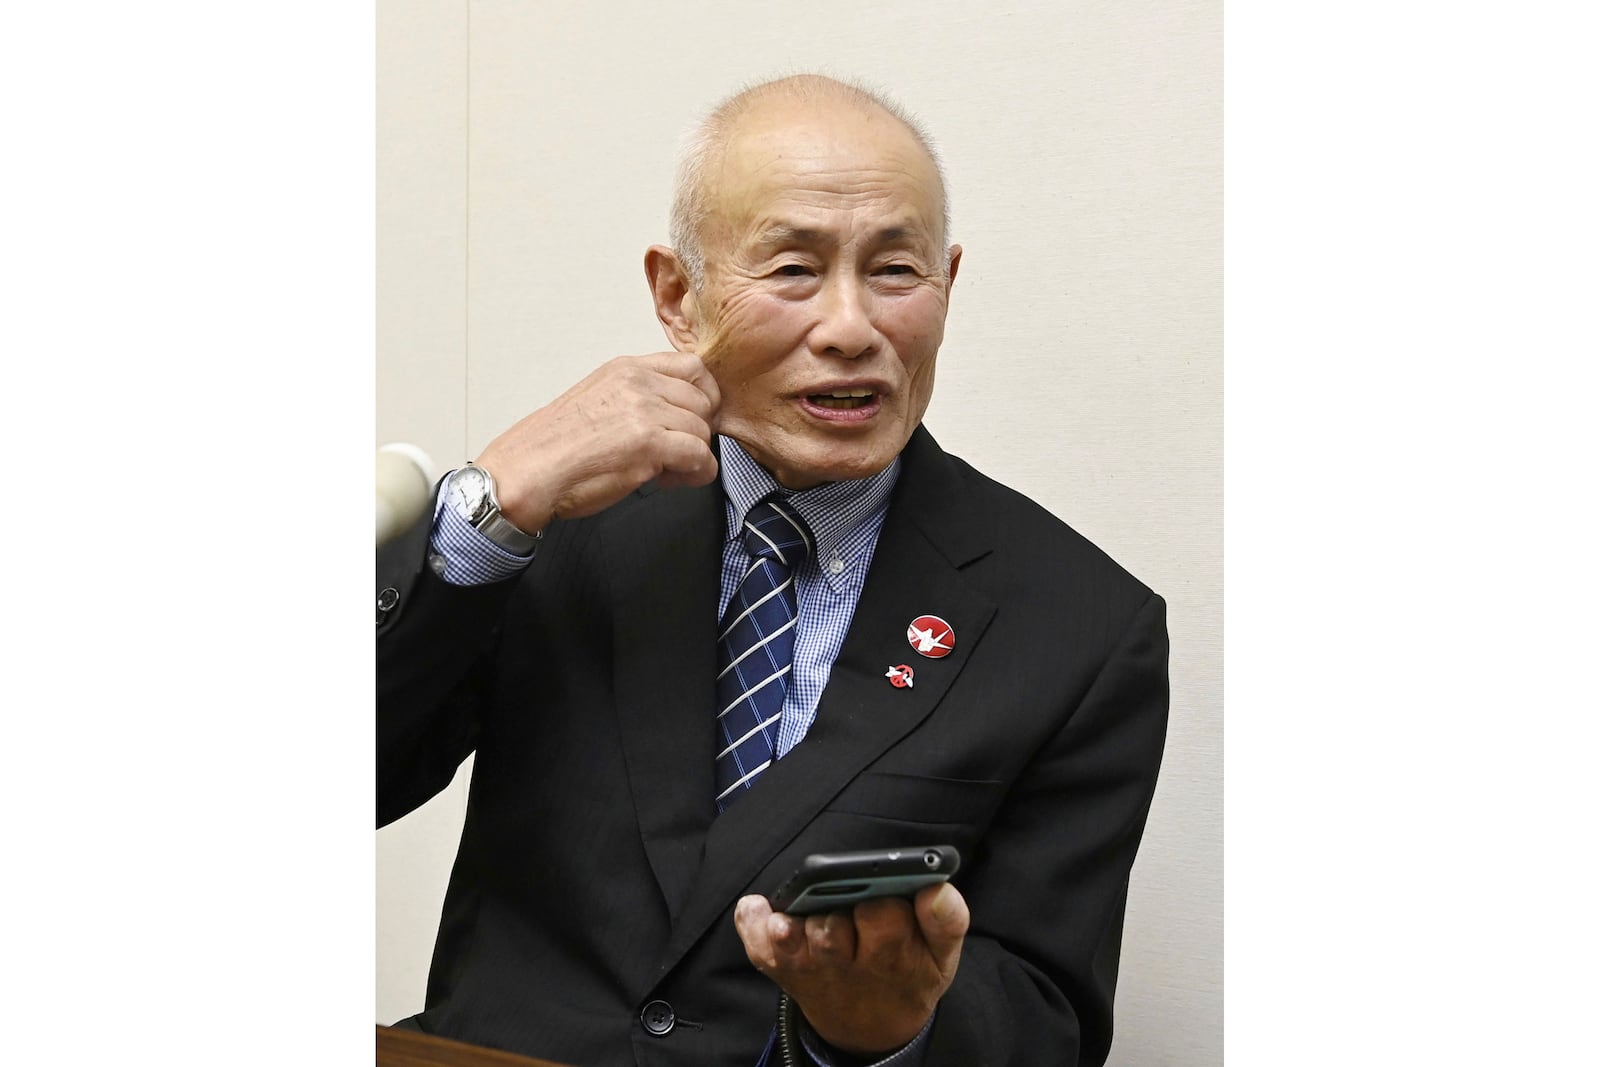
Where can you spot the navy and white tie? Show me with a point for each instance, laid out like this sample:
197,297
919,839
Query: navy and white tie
755,649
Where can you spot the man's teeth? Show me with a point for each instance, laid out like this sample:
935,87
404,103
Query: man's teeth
842,398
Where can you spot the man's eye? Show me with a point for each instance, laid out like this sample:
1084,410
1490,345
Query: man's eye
896,268
793,270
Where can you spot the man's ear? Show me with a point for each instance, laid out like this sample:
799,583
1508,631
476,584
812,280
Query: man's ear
955,265
675,302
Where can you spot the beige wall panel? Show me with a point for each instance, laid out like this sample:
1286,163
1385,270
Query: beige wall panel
421,391
1083,357
422,224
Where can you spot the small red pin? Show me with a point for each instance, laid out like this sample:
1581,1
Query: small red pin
900,677
931,636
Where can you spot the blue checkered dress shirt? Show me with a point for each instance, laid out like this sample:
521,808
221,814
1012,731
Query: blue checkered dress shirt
845,518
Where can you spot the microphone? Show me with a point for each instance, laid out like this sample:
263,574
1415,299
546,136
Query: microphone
404,488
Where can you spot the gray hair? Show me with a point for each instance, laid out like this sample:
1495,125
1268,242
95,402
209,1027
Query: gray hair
691,205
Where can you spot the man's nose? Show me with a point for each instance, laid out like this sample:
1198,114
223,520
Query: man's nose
846,326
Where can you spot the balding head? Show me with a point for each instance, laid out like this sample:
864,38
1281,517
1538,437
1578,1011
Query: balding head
781,103
812,276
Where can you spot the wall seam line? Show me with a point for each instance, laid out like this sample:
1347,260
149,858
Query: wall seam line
466,242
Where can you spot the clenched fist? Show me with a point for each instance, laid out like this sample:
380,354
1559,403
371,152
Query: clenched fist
633,419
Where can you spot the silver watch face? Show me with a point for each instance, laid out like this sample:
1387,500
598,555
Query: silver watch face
468,492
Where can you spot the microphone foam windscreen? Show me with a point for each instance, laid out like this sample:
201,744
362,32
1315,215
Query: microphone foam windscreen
404,488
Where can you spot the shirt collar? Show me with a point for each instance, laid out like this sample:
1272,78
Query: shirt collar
832,511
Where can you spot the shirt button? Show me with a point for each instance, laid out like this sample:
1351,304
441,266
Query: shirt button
436,563
658,1018
835,565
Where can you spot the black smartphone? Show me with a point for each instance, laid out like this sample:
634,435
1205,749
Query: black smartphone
835,881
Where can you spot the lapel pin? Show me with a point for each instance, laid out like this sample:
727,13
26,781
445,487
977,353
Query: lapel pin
931,636
900,677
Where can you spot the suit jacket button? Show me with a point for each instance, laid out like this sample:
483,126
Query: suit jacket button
386,602
658,1018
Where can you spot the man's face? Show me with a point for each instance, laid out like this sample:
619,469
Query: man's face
825,294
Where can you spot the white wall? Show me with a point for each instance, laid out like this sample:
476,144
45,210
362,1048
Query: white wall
524,163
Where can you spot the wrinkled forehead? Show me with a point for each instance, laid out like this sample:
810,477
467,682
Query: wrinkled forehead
823,162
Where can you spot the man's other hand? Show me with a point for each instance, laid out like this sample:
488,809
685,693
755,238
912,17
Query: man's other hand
633,419
867,980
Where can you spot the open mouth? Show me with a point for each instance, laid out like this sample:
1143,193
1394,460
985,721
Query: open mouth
843,399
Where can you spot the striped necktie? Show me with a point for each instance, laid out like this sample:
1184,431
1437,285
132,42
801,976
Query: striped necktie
755,649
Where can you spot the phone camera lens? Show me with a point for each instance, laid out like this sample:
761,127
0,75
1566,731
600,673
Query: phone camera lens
931,859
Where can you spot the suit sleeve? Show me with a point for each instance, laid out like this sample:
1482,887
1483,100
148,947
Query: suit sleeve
1039,965
434,659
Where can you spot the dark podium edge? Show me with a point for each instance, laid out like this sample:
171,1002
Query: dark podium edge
412,1048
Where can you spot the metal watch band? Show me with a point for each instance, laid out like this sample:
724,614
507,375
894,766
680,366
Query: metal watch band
497,528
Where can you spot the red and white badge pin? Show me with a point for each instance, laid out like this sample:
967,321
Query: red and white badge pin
931,636
900,677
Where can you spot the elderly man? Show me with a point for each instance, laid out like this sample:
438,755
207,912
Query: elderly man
713,610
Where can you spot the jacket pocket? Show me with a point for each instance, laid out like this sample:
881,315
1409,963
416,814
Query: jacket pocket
916,798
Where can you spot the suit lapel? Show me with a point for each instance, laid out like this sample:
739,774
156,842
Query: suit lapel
916,570
664,556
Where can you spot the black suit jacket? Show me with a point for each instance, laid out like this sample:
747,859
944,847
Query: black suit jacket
592,877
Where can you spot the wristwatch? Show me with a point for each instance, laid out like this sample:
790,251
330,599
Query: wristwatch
470,491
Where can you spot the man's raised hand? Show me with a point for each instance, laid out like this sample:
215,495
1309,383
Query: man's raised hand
869,979
631,420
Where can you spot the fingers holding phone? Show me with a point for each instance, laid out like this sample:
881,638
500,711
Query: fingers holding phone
866,980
